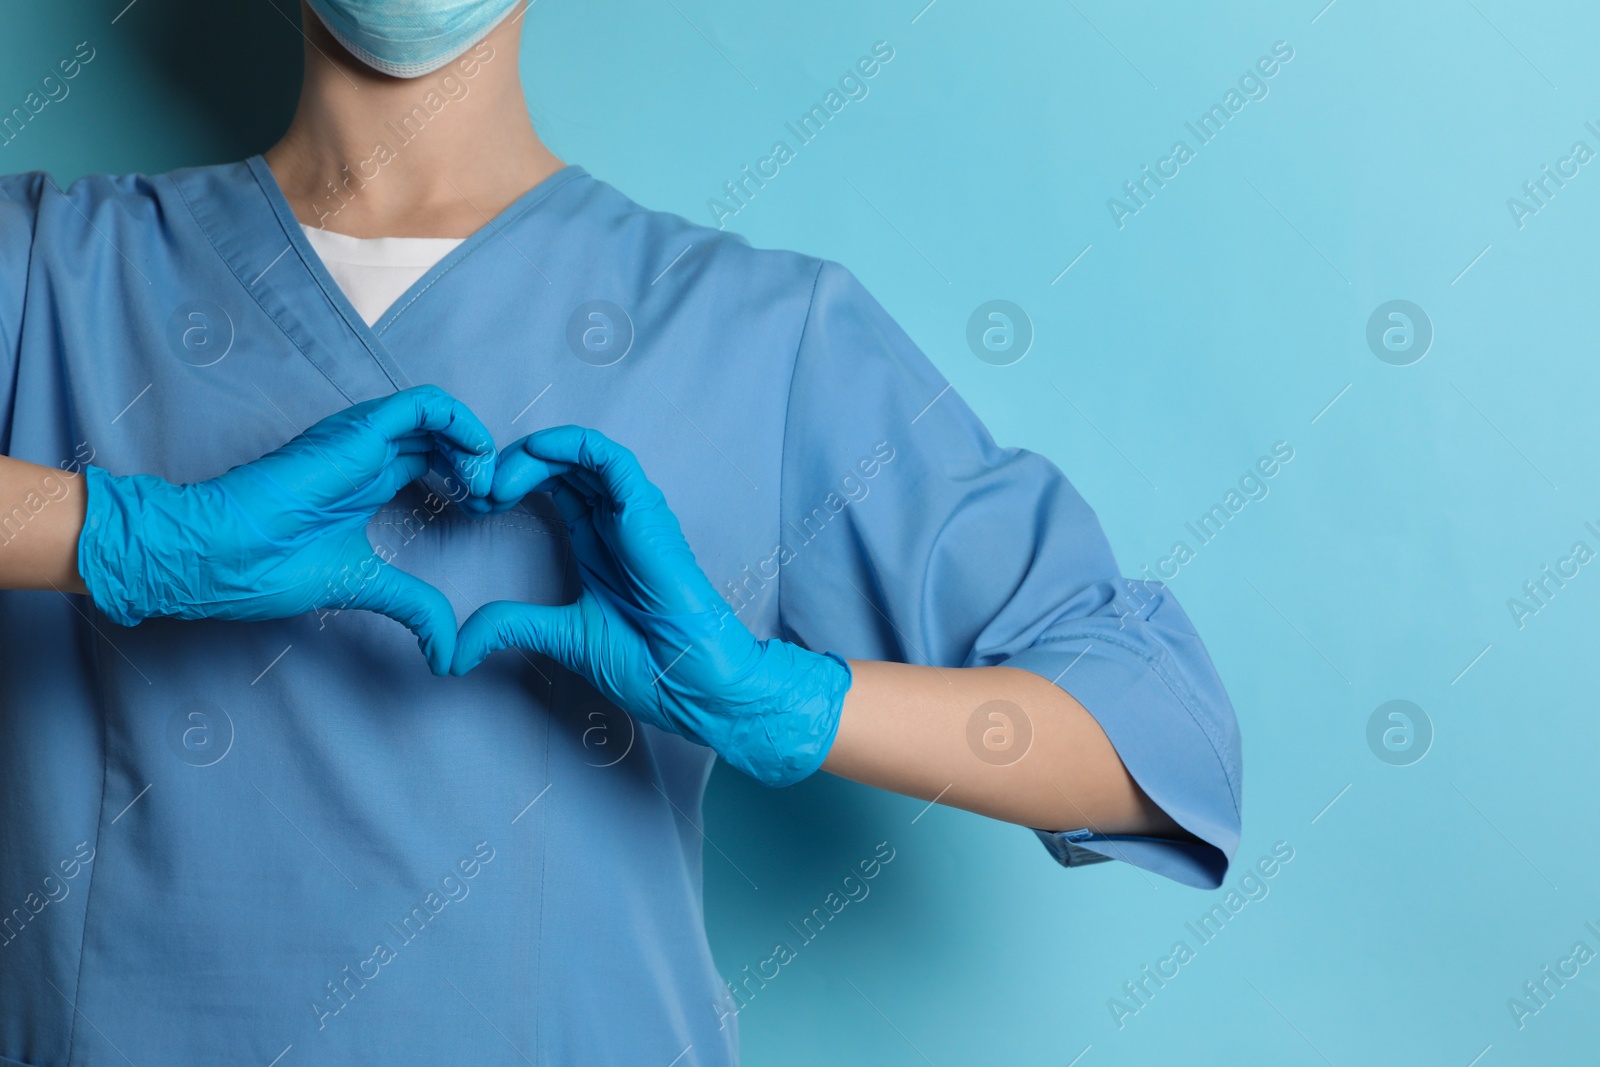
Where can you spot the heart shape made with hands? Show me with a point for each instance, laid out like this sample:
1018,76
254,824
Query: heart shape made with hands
648,630
267,539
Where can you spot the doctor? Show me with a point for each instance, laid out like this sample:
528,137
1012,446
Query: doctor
249,410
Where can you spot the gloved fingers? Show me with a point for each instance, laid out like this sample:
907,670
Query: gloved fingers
401,472
423,441
467,474
519,473
338,456
427,408
575,505
588,487
591,550
452,467
610,468
459,434
554,631
574,493
650,562
572,506
418,606
578,490
620,524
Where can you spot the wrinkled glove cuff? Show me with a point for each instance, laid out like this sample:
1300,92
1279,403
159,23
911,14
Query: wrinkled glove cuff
111,562
800,726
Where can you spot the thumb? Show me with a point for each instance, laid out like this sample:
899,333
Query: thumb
552,631
418,606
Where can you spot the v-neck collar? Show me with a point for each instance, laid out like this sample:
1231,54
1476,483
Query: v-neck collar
252,243
493,228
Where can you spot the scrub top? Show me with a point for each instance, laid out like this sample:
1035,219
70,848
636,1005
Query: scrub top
226,842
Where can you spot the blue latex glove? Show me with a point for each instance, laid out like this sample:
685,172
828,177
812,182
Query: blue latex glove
648,630
286,534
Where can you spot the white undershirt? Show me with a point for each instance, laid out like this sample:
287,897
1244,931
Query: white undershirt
374,272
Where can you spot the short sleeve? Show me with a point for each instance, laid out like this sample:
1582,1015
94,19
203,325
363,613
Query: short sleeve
911,536
19,211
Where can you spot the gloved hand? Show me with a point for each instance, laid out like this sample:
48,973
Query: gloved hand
286,534
648,630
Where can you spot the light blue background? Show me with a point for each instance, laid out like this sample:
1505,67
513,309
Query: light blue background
1224,317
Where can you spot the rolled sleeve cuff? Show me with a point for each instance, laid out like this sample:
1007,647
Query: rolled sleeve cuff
1174,747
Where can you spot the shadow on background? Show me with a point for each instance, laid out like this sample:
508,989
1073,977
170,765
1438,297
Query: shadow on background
801,831
240,64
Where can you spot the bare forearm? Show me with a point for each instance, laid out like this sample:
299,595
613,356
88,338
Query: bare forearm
41,517
999,741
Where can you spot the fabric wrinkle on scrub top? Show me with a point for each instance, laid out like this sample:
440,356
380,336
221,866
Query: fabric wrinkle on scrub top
218,840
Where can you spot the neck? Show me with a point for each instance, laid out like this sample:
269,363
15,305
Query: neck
438,156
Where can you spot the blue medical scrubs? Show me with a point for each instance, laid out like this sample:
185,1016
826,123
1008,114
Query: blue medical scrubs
230,842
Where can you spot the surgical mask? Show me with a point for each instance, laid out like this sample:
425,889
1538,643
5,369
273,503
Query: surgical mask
410,38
